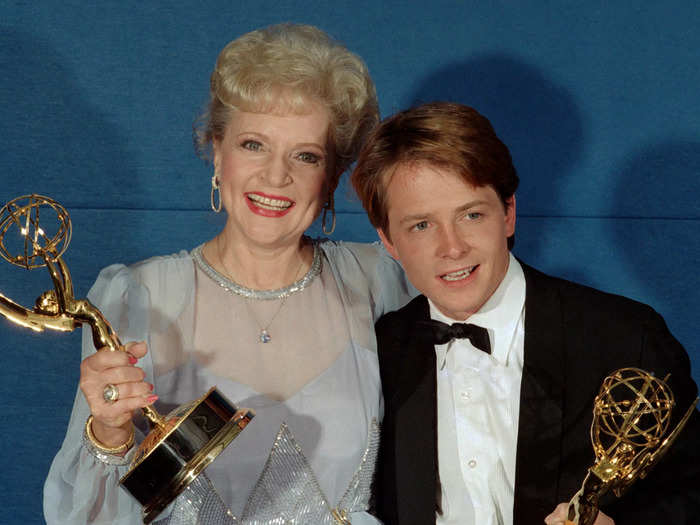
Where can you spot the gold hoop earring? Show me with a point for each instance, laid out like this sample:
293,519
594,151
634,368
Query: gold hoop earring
214,190
329,206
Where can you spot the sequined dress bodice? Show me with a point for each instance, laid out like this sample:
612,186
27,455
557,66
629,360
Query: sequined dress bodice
268,475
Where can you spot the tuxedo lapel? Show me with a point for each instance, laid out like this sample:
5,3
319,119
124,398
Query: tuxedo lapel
541,402
414,413
418,350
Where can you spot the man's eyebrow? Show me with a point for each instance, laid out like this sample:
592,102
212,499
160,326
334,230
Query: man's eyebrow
413,218
423,216
471,204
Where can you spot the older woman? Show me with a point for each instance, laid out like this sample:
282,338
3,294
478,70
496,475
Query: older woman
280,323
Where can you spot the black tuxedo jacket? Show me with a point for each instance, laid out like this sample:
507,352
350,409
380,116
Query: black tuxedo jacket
574,337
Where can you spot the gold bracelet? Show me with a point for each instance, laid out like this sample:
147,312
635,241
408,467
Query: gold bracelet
103,448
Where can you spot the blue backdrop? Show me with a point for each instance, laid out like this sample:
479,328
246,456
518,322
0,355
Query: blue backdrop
597,100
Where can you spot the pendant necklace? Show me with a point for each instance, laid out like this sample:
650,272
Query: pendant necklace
280,294
264,336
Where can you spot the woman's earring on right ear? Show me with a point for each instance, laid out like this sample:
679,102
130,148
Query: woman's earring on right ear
329,206
214,190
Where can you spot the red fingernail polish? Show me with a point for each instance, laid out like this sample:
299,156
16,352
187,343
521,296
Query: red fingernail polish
132,359
150,386
152,399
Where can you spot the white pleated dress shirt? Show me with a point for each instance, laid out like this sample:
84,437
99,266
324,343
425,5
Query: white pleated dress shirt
478,402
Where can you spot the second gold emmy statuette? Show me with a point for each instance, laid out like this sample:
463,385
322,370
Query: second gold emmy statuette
179,445
631,417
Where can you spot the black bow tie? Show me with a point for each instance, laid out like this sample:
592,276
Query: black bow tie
444,333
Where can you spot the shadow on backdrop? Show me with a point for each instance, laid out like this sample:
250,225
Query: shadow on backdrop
656,190
537,119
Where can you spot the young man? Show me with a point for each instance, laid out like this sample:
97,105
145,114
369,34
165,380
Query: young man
489,423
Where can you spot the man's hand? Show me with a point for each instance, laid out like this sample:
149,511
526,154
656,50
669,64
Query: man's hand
558,517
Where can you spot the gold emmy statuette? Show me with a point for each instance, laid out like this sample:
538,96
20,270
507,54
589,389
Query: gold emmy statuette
631,416
179,445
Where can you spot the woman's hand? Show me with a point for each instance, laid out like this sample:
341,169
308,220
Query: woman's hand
111,423
558,517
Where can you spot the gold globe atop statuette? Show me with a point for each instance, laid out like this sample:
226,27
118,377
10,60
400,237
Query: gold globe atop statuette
632,413
35,232
631,419
32,243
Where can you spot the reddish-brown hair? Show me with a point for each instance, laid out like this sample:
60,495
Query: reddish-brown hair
449,135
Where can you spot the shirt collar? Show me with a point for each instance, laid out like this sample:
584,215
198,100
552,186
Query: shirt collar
501,312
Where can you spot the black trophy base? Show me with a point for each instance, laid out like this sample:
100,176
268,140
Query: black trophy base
192,437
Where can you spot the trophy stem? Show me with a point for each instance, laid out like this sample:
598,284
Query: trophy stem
154,418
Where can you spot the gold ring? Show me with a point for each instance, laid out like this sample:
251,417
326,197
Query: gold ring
110,393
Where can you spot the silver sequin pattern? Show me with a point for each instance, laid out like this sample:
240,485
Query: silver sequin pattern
356,497
199,504
265,295
287,491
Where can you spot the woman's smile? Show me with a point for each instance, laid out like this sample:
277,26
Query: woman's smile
268,205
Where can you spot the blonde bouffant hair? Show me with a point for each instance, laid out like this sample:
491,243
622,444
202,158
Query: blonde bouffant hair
287,67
